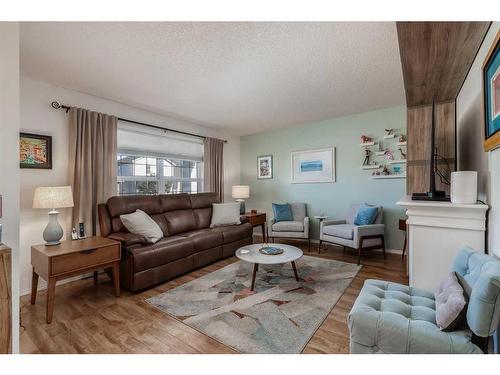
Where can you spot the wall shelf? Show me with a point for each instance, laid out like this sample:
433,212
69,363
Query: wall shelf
390,176
401,143
366,144
402,161
370,166
389,136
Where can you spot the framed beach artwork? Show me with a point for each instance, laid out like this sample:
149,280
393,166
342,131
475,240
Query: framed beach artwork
35,151
313,166
491,96
264,167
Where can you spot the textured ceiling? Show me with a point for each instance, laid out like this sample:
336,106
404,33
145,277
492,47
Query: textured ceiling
242,77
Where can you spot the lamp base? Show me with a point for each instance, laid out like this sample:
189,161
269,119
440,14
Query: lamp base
242,206
53,231
52,243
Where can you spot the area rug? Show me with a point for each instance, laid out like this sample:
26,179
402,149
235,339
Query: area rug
280,316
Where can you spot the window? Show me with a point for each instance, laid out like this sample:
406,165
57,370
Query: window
150,175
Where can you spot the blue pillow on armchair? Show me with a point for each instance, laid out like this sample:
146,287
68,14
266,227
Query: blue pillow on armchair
366,215
282,212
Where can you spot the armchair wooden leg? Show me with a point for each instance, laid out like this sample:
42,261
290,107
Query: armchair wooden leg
319,246
359,249
404,248
383,245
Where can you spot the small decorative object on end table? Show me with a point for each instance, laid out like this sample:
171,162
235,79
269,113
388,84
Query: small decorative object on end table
52,198
258,219
71,258
252,254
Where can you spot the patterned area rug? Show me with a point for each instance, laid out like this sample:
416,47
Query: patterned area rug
280,316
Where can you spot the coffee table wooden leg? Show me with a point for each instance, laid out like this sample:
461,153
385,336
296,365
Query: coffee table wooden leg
34,286
116,278
255,269
51,290
295,271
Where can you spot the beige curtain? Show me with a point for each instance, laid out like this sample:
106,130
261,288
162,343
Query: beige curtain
213,166
92,164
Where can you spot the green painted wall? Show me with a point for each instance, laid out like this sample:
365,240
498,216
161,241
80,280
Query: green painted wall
353,185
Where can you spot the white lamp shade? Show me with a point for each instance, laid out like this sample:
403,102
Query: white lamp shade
240,191
53,197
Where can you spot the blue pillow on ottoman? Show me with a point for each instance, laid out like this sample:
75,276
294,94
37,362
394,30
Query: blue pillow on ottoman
282,212
366,215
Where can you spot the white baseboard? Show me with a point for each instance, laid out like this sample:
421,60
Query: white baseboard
315,241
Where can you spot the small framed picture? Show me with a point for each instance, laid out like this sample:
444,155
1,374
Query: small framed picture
491,96
264,167
35,151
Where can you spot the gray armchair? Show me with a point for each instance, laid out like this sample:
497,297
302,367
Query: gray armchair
360,237
298,228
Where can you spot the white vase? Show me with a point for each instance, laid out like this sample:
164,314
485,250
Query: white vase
464,187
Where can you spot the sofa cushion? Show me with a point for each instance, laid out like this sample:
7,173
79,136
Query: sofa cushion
366,215
344,231
394,318
233,233
180,221
298,211
282,212
140,223
205,238
225,214
451,303
288,226
164,251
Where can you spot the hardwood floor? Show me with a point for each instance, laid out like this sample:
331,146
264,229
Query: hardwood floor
90,319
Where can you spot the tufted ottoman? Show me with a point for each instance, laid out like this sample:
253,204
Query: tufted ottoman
394,318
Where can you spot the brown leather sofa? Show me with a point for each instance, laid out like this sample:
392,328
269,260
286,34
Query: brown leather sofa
188,241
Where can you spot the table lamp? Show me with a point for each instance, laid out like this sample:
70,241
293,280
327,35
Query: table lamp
52,198
240,193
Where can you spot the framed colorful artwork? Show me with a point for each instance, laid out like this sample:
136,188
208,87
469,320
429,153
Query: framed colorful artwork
35,151
313,166
264,167
491,96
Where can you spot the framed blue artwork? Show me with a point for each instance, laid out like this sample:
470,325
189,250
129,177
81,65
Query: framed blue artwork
491,96
313,166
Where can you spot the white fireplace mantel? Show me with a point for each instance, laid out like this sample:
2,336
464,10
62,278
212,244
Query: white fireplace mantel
436,231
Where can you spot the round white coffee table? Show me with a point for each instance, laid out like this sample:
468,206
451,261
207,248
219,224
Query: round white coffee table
251,254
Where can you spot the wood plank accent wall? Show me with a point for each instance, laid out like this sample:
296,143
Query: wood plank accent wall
436,57
5,300
419,125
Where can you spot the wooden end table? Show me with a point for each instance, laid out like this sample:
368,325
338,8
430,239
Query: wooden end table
72,258
258,219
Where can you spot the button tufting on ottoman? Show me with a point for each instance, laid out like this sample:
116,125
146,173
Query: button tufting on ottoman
394,318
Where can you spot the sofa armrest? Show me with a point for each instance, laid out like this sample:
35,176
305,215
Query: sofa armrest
368,230
306,227
127,239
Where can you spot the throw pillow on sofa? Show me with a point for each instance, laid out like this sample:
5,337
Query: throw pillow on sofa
225,214
282,212
451,303
141,223
366,215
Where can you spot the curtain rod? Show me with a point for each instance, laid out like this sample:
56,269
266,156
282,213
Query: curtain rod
56,105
